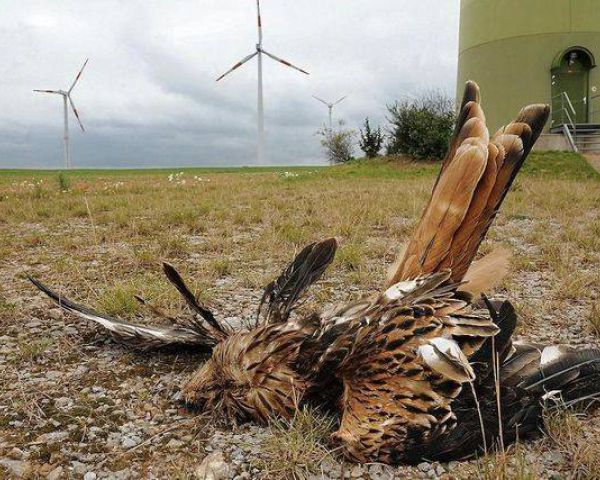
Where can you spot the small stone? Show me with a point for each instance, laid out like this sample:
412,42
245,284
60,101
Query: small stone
89,476
52,437
375,469
55,474
52,375
424,466
79,468
18,454
124,474
213,467
175,444
62,402
55,313
80,370
554,457
18,468
356,472
130,442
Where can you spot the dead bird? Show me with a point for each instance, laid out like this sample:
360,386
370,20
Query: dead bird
425,370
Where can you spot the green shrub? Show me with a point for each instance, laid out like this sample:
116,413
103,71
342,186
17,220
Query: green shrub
421,127
371,140
64,184
338,143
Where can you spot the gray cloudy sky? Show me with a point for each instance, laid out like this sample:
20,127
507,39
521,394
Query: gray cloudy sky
148,96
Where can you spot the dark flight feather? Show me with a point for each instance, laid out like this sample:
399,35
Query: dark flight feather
191,300
282,294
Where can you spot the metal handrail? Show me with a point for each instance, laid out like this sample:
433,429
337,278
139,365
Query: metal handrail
570,138
565,96
568,132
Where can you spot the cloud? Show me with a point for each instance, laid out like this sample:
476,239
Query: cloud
149,98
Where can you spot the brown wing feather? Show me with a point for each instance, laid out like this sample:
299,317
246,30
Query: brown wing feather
402,364
487,273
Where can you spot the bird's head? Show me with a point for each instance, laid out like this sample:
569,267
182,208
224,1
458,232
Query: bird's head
250,376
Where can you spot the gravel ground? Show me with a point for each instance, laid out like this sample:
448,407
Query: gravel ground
75,405
85,407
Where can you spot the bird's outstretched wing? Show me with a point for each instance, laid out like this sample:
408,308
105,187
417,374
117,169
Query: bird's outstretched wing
189,332
475,176
283,293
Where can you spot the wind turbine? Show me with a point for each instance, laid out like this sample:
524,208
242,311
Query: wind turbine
261,112
66,94
330,108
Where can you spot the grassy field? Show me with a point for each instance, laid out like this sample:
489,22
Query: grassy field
100,236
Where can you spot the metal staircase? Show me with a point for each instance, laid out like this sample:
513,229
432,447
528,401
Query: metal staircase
582,137
585,137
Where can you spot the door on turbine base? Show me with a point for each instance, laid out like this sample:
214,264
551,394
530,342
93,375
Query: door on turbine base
570,87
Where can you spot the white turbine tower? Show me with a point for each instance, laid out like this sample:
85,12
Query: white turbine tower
67,96
330,108
261,113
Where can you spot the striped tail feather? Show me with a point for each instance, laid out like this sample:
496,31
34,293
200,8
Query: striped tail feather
532,378
571,378
474,179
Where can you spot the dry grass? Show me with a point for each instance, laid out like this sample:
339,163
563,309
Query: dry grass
296,449
567,431
511,465
594,317
100,237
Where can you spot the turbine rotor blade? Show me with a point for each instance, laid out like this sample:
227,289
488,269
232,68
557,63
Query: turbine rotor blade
238,65
284,62
78,75
341,99
259,22
57,92
76,113
322,101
